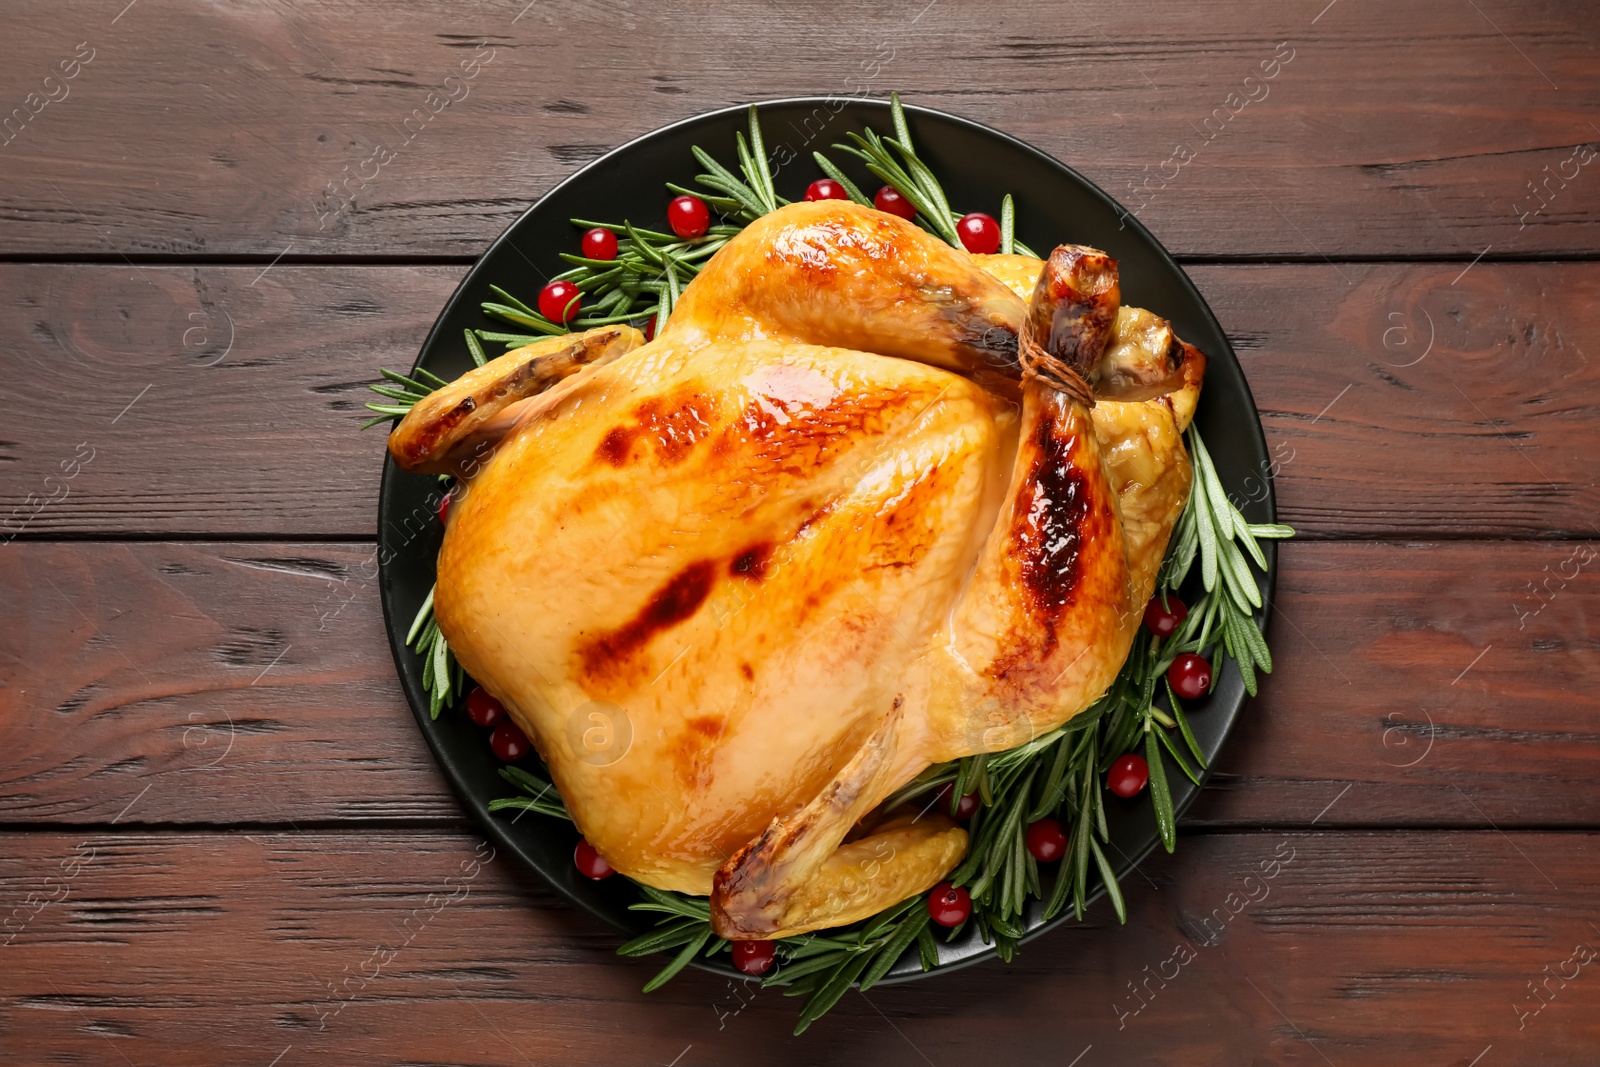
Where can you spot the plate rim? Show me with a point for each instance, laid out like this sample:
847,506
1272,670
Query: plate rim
499,829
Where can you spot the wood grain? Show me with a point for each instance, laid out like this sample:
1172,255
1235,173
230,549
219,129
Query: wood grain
214,399
397,947
218,131
222,838
1399,400
265,695
1416,684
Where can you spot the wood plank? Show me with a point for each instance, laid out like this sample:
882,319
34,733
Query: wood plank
1422,400
220,131
1423,684
1375,433
1416,684
211,399
1386,948
265,693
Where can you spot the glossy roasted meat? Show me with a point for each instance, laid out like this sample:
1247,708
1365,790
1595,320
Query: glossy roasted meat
836,523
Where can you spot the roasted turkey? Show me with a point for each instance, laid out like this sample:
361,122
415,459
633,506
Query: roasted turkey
865,504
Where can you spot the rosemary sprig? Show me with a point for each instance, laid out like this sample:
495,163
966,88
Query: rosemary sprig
541,795
1061,774
403,392
649,272
1212,528
894,160
745,200
651,268
442,677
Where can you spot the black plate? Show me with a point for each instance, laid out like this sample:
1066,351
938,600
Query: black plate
977,166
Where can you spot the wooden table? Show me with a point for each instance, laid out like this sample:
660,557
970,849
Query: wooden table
216,804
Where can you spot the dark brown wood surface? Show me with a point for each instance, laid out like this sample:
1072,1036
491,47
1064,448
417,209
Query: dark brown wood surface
1400,400
1277,947
222,839
1410,131
268,695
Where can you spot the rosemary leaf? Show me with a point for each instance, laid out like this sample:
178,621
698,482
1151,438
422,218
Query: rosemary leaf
424,616
533,322
1160,795
621,228
1183,725
672,288
829,993
1271,530
402,380
647,250
679,962
747,166
1055,779
474,348
927,948
1082,839
510,340
884,918
1166,741
1216,496
663,311
1109,878
820,964
1242,660
1204,525
896,946
512,301
761,172
1244,536
669,935
1258,645
1240,583
675,903
827,167
939,213
543,807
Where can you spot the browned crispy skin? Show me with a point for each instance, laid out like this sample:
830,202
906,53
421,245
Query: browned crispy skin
835,273
1040,630
1074,306
438,434
806,543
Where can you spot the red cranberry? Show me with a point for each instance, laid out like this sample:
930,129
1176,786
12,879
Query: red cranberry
1128,775
1164,620
650,329
688,216
559,301
894,202
964,808
826,189
1190,676
754,957
590,863
1046,841
509,743
979,233
949,905
484,709
444,509
599,243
